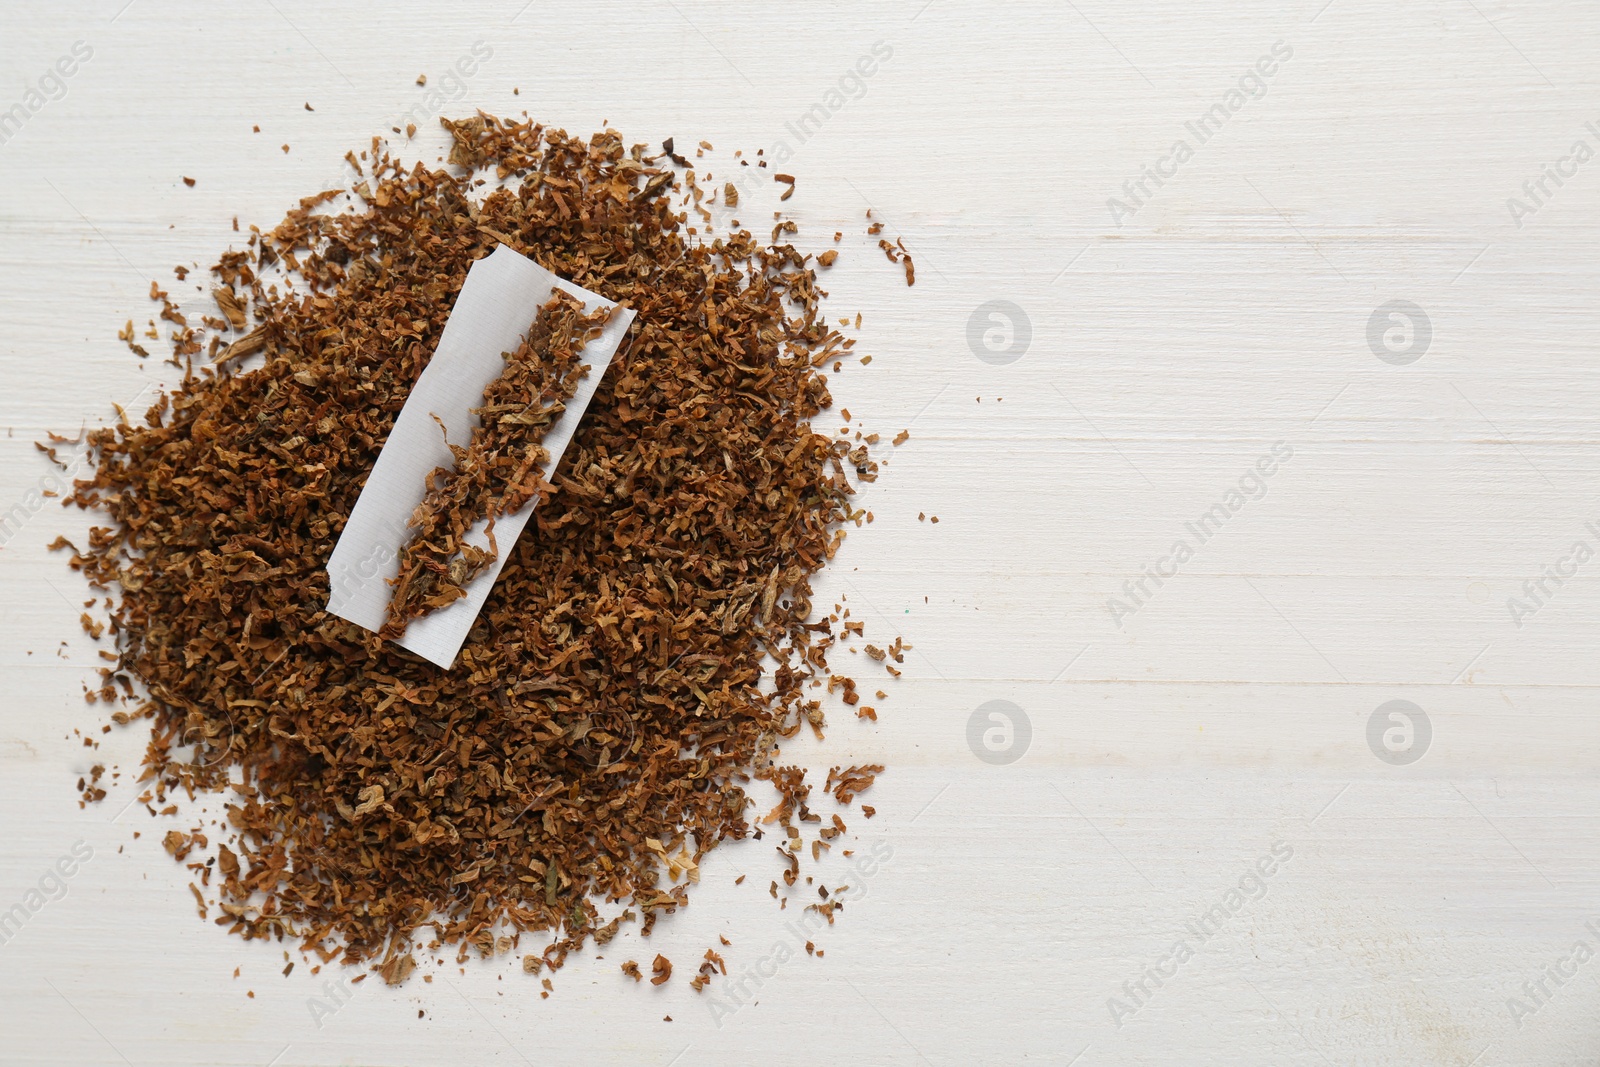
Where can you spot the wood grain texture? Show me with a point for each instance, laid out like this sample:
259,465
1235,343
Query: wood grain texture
1170,347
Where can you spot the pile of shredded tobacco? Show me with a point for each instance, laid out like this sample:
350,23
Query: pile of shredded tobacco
498,472
647,646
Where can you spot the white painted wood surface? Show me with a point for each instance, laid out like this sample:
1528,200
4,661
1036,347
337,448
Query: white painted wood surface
1167,756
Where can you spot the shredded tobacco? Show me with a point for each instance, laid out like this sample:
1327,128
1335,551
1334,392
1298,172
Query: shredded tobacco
647,646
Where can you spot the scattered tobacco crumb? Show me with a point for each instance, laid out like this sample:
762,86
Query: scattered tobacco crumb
660,970
614,705
852,780
897,254
631,969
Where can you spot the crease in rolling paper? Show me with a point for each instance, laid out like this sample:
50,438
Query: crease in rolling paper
497,305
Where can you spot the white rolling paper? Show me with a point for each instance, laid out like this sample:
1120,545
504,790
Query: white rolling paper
502,294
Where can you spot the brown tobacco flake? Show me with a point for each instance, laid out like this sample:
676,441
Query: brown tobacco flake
713,964
786,179
827,258
660,970
902,437
631,969
730,194
397,968
897,254
178,844
852,780
189,182
228,301
648,646
498,472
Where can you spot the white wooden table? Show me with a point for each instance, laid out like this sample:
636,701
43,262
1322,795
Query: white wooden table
1170,743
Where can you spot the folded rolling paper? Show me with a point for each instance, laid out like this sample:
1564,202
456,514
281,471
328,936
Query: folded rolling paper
502,294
